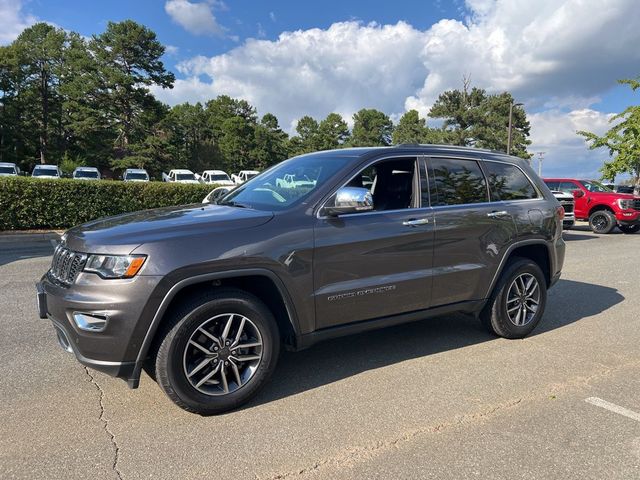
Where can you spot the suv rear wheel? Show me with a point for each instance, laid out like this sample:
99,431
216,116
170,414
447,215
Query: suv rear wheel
518,300
217,352
629,228
602,221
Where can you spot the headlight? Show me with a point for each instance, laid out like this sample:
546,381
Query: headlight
625,204
114,266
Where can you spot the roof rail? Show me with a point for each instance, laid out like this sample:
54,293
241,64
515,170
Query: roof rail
444,145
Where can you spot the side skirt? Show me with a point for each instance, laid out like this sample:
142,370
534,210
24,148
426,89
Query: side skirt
306,341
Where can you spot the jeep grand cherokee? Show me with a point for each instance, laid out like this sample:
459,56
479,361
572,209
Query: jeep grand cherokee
203,296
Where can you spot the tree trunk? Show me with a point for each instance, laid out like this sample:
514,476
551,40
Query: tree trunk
44,95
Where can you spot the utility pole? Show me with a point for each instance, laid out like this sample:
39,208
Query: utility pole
540,158
511,125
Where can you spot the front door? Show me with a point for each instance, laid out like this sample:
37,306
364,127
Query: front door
378,263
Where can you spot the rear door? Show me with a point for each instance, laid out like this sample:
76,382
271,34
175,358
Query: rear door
471,232
374,264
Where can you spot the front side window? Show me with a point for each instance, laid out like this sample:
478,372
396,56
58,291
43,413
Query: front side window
457,182
390,183
508,182
593,186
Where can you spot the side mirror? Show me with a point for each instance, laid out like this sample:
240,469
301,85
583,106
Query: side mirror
350,200
578,193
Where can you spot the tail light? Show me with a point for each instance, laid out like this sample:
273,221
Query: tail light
560,212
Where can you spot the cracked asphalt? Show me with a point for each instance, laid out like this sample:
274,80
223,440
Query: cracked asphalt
433,399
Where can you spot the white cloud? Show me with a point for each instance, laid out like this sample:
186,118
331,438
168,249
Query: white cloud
13,20
554,132
196,18
556,55
272,16
171,50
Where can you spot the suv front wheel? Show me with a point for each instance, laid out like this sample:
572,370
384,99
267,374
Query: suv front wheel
217,352
518,300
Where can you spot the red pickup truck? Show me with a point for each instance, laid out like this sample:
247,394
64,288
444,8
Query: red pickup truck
603,208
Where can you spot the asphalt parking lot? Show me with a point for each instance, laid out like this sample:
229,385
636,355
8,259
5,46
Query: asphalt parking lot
434,399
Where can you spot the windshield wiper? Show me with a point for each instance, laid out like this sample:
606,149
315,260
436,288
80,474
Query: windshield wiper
231,203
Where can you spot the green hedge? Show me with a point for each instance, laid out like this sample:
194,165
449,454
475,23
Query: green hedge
31,203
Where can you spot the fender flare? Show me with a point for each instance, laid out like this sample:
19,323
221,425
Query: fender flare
508,253
134,380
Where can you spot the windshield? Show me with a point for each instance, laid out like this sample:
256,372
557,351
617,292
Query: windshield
595,186
39,172
185,176
7,170
85,174
269,191
219,177
136,176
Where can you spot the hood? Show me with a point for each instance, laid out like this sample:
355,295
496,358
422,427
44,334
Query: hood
123,233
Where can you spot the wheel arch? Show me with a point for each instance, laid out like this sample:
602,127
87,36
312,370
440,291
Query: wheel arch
262,283
536,250
601,206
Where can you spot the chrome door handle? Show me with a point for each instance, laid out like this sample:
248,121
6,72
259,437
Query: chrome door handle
415,222
501,213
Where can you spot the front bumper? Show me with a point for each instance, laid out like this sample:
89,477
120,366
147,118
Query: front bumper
113,350
628,217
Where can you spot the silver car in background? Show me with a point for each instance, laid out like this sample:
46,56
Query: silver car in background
46,171
86,173
135,175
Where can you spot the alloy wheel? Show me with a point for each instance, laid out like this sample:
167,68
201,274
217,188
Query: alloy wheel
523,298
222,354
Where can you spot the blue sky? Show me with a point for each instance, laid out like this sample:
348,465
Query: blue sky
561,58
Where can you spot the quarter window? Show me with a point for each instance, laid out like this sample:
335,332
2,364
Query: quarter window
508,182
457,182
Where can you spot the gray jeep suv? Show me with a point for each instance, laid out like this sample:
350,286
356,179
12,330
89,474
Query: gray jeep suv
204,296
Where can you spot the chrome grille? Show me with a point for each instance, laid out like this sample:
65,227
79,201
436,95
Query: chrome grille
65,265
567,205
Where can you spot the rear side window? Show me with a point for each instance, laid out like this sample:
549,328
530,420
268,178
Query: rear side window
508,182
568,187
457,182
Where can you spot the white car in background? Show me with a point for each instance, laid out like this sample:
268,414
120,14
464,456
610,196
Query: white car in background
9,169
86,173
216,194
294,181
568,203
135,175
243,176
180,175
46,171
219,177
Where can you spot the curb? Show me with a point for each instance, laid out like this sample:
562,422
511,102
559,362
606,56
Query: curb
14,237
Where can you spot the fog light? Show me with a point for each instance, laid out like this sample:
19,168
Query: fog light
90,322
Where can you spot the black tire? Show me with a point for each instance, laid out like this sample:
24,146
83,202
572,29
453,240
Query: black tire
171,355
602,221
495,317
629,228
